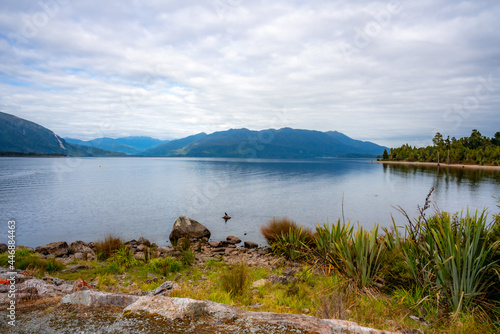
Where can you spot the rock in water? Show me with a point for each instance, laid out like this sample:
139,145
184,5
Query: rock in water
190,228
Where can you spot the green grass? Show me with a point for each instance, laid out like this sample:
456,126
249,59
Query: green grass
234,280
28,260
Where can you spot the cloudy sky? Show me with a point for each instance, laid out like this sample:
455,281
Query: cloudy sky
386,71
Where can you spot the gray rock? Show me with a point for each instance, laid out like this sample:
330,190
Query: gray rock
79,256
83,248
56,249
164,287
56,281
19,278
144,241
75,268
250,244
233,240
185,308
139,256
190,228
3,248
151,278
98,298
260,282
277,279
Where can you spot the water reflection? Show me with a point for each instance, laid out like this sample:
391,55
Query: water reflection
446,177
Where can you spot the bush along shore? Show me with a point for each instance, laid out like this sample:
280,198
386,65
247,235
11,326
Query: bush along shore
438,274
473,150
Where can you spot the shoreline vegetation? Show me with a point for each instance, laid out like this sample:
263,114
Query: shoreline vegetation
440,274
441,165
475,150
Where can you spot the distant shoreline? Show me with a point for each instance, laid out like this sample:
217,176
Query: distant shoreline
435,164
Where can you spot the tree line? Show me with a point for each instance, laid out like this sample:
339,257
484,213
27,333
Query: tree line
474,150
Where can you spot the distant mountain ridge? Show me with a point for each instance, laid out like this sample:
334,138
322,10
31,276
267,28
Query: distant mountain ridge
285,143
18,135
129,145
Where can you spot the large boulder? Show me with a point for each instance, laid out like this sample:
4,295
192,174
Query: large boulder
56,249
190,228
214,313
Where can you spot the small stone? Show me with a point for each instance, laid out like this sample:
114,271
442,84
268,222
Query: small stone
250,244
260,283
152,277
163,250
233,240
139,256
277,279
214,244
218,250
165,286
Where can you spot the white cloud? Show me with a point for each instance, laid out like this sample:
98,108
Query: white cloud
171,69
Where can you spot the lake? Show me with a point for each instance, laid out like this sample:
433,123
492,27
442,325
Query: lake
68,199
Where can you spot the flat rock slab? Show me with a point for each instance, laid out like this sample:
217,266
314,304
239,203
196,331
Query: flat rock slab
186,308
98,298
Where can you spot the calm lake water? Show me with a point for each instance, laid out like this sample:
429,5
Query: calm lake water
68,199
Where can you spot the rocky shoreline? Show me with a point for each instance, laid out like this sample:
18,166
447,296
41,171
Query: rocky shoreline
135,311
54,305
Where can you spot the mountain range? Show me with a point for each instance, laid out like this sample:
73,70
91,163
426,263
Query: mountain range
19,136
284,143
129,145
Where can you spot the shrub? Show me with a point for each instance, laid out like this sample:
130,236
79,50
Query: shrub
123,258
234,280
107,247
276,228
165,265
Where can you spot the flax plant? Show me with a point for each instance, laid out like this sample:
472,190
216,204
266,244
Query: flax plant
356,254
450,255
361,256
327,236
294,245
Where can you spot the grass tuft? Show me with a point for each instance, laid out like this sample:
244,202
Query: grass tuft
107,247
235,279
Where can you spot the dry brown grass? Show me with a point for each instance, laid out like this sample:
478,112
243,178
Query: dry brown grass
107,247
278,226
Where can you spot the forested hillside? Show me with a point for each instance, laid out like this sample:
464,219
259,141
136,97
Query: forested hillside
475,149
